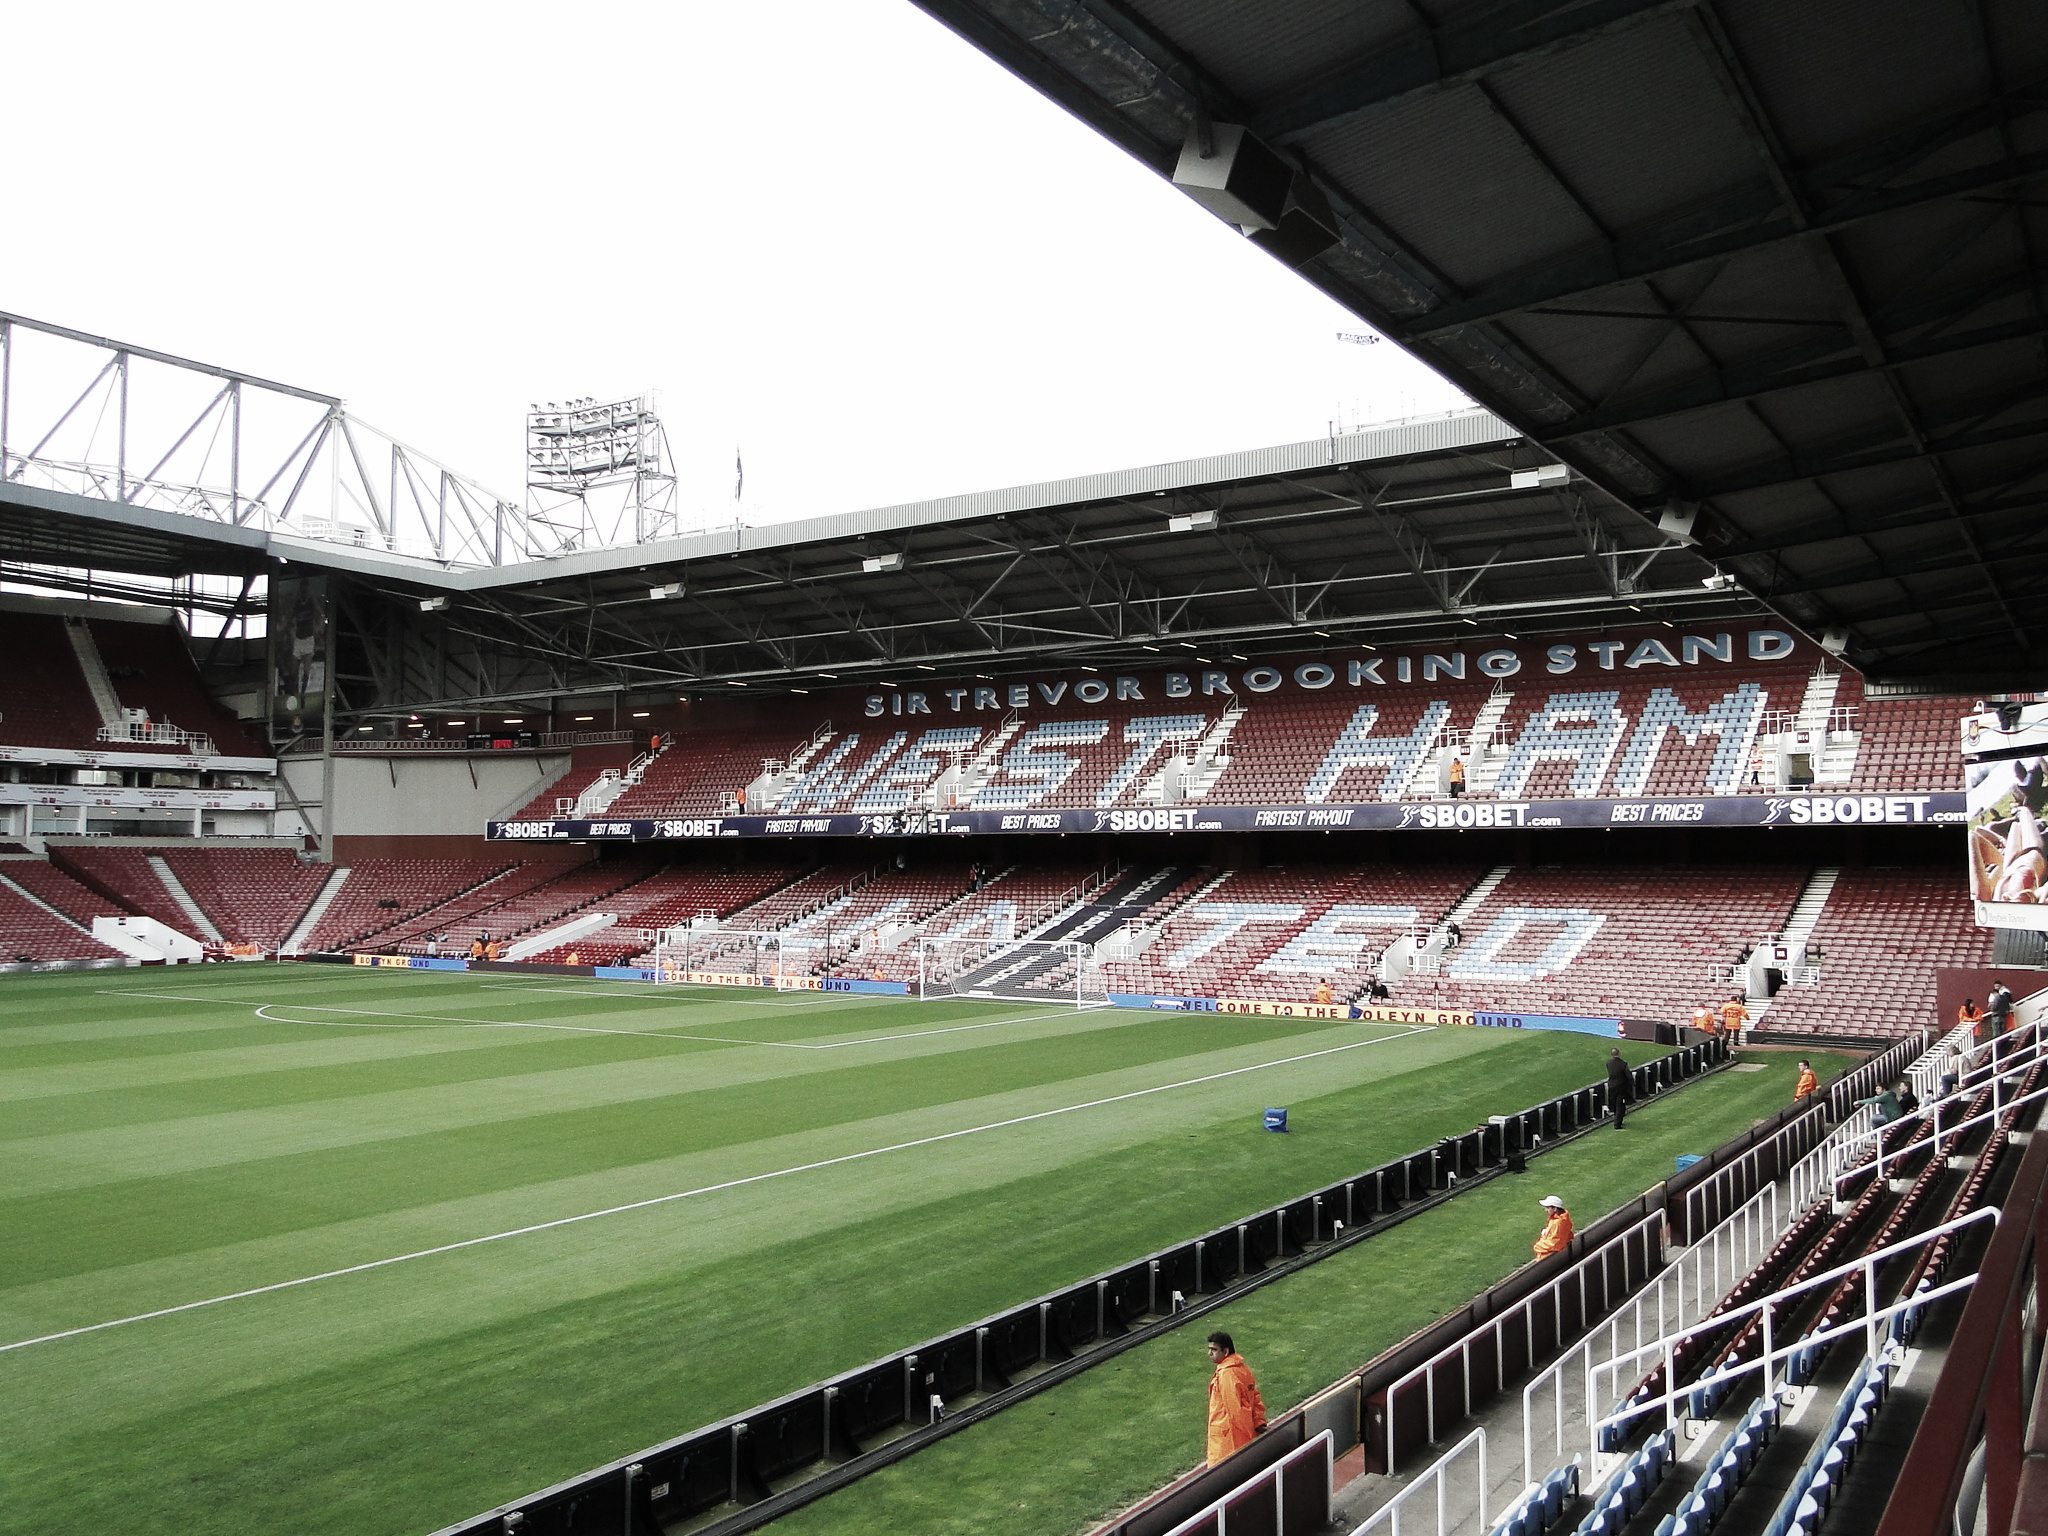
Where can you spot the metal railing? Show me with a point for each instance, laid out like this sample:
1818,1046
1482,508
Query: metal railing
1713,1264
1267,1496
1646,1234
157,733
1435,1478
1870,1325
546,741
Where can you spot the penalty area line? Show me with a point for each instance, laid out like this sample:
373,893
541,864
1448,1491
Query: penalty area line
705,1189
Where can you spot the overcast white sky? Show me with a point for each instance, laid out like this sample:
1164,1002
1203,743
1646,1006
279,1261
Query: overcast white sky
827,231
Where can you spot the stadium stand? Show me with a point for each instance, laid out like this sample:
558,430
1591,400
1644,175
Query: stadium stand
516,914
29,931
1011,904
706,772
1276,933
78,902
674,895
419,892
1632,942
43,697
1878,941
152,670
126,874
252,895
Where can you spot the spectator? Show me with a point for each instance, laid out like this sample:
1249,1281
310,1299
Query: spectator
433,947
1621,1086
1887,1102
1557,1227
1236,1411
1377,990
1453,936
1806,1085
1909,1101
1997,1010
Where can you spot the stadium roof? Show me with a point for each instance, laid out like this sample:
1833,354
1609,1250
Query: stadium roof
1442,527
1775,267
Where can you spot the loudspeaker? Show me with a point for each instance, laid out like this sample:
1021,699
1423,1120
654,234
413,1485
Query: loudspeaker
1245,183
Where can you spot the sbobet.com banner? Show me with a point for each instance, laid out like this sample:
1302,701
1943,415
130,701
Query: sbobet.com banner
1373,1013
1815,810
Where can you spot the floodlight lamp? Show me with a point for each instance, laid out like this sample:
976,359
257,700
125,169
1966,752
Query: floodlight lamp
875,564
433,604
673,589
1192,522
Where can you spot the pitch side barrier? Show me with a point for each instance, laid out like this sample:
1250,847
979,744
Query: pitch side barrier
836,1431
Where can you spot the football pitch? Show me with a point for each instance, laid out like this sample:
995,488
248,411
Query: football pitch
339,1250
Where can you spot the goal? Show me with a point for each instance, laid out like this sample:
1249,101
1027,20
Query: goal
1014,970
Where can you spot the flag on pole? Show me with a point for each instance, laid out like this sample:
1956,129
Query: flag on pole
739,474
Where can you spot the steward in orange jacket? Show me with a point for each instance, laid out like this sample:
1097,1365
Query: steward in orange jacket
1703,1019
1733,1015
1557,1228
1236,1411
1805,1085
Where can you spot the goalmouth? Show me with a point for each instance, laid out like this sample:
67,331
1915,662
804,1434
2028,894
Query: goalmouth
1011,970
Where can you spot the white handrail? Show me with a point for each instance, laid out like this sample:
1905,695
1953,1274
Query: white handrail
1433,1475
1650,1226
1322,1442
1866,1264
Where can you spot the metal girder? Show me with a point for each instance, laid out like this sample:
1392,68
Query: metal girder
1867,450
1750,219
1791,368
1456,52
1878,568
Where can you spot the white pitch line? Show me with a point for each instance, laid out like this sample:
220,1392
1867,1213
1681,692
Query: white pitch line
432,1020
706,1189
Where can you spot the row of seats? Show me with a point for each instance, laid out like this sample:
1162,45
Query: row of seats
390,900
1807,1501
1630,1487
1541,1505
27,932
253,895
1620,733
1881,937
1730,1464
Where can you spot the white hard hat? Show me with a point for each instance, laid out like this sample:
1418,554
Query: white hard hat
1551,1200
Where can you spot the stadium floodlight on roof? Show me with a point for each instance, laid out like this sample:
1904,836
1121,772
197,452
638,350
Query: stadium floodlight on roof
598,472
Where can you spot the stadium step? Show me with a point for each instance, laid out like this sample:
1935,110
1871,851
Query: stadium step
97,683
295,941
183,897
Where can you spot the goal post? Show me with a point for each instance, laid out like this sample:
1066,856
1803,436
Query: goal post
1011,970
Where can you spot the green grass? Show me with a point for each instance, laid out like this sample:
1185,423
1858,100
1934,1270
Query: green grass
159,1150
1080,1451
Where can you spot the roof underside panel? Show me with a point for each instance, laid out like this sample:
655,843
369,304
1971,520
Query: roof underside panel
1779,263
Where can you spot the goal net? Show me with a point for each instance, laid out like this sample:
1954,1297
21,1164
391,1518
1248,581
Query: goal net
1017,970
722,957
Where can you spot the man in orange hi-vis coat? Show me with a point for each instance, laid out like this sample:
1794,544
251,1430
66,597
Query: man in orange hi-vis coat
1557,1227
1236,1411
1733,1015
1805,1085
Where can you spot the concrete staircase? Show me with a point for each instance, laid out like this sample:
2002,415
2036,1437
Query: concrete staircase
183,897
295,942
